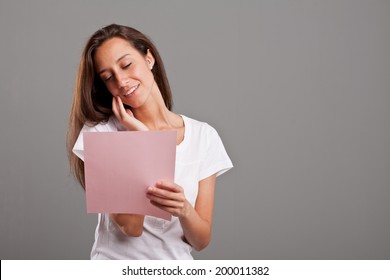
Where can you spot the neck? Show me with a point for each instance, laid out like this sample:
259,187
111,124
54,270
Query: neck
154,114
155,118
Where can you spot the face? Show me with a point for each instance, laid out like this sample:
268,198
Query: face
125,71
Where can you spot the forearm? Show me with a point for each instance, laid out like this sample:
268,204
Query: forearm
129,224
195,221
197,231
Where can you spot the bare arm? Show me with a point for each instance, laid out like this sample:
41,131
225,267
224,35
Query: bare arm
129,224
197,225
195,221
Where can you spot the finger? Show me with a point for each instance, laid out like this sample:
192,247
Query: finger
115,107
166,194
169,186
129,112
166,208
172,211
166,202
121,108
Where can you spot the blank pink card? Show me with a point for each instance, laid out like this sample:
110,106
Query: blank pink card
120,166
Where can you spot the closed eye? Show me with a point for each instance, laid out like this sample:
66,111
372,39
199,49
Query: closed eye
126,66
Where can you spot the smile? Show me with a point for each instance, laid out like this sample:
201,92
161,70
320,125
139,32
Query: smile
131,90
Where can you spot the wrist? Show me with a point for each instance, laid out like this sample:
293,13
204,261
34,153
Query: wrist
186,213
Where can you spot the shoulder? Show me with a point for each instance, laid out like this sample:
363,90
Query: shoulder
199,128
208,148
200,134
109,126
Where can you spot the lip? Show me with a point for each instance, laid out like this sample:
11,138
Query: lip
131,91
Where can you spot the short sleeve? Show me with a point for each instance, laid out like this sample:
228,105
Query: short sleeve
215,159
111,125
78,148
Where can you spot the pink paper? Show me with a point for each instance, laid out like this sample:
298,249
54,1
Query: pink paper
120,166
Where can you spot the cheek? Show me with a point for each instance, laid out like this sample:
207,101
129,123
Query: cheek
144,75
112,89
148,78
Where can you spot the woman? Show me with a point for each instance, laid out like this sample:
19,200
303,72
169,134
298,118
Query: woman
122,85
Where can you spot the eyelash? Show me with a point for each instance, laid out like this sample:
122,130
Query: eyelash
124,67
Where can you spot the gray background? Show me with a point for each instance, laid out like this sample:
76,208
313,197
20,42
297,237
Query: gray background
298,90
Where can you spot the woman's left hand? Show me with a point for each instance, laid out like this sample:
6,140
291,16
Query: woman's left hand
169,197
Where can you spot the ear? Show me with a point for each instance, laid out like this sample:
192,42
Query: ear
150,59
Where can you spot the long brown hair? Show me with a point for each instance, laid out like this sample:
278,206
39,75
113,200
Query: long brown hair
91,100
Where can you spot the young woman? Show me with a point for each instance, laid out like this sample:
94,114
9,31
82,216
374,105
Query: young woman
122,85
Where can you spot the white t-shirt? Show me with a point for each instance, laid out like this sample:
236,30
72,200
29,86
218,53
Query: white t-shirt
200,155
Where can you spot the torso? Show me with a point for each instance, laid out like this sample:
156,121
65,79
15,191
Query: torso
161,239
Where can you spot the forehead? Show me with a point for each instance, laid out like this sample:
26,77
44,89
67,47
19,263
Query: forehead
111,50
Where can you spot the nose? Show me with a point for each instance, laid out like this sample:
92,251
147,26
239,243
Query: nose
122,80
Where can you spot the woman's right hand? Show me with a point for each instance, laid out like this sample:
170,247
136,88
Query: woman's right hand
129,224
125,116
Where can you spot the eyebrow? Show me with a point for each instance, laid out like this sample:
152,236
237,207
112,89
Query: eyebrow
123,56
